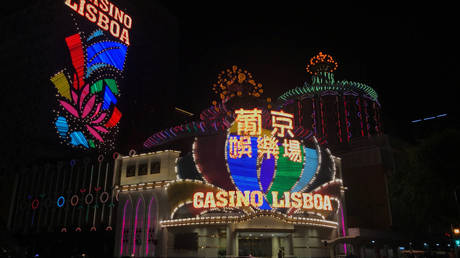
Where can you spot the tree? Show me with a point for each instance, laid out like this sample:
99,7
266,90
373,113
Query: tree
423,185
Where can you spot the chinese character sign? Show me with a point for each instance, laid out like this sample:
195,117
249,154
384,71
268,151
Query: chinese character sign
262,159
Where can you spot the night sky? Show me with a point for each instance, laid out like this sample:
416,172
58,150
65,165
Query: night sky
408,54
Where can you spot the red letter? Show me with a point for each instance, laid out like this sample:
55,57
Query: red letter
114,28
91,12
124,36
103,21
111,9
209,200
307,200
327,203
104,5
74,6
242,199
119,15
128,22
275,203
221,197
296,200
82,7
259,201
198,200
318,200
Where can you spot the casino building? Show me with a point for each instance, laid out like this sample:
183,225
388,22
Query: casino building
251,176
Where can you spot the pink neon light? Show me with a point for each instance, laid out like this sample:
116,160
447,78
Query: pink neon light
74,97
83,94
99,119
135,226
123,228
69,108
88,106
100,128
94,133
148,227
343,228
97,110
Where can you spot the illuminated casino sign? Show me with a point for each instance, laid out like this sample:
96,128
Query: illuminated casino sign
269,167
105,15
238,199
87,116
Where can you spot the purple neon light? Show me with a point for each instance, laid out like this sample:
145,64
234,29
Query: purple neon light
148,227
135,226
123,227
343,228
267,170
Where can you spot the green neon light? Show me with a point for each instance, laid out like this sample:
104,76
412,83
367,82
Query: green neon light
97,87
287,172
112,85
337,86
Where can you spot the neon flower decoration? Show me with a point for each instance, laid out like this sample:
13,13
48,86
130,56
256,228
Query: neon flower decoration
88,116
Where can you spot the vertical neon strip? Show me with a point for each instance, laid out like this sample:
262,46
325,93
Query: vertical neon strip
299,109
148,227
375,119
123,227
314,116
322,115
366,117
338,118
360,115
346,118
135,227
343,228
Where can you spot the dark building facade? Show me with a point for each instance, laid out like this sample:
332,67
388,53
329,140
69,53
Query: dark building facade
346,117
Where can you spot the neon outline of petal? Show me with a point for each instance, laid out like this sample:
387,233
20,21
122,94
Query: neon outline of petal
97,110
94,133
69,108
84,93
74,97
101,129
99,119
89,106
75,81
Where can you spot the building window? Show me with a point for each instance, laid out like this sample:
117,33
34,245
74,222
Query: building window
131,170
142,170
155,167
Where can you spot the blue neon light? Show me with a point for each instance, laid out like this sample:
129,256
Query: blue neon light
108,99
429,118
96,33
60,201
244,171
93,68
62,126
416,121
77,138
311,164
441,115
106,52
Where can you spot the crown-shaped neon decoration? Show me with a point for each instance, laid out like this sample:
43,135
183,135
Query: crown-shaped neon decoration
236,82
321,63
